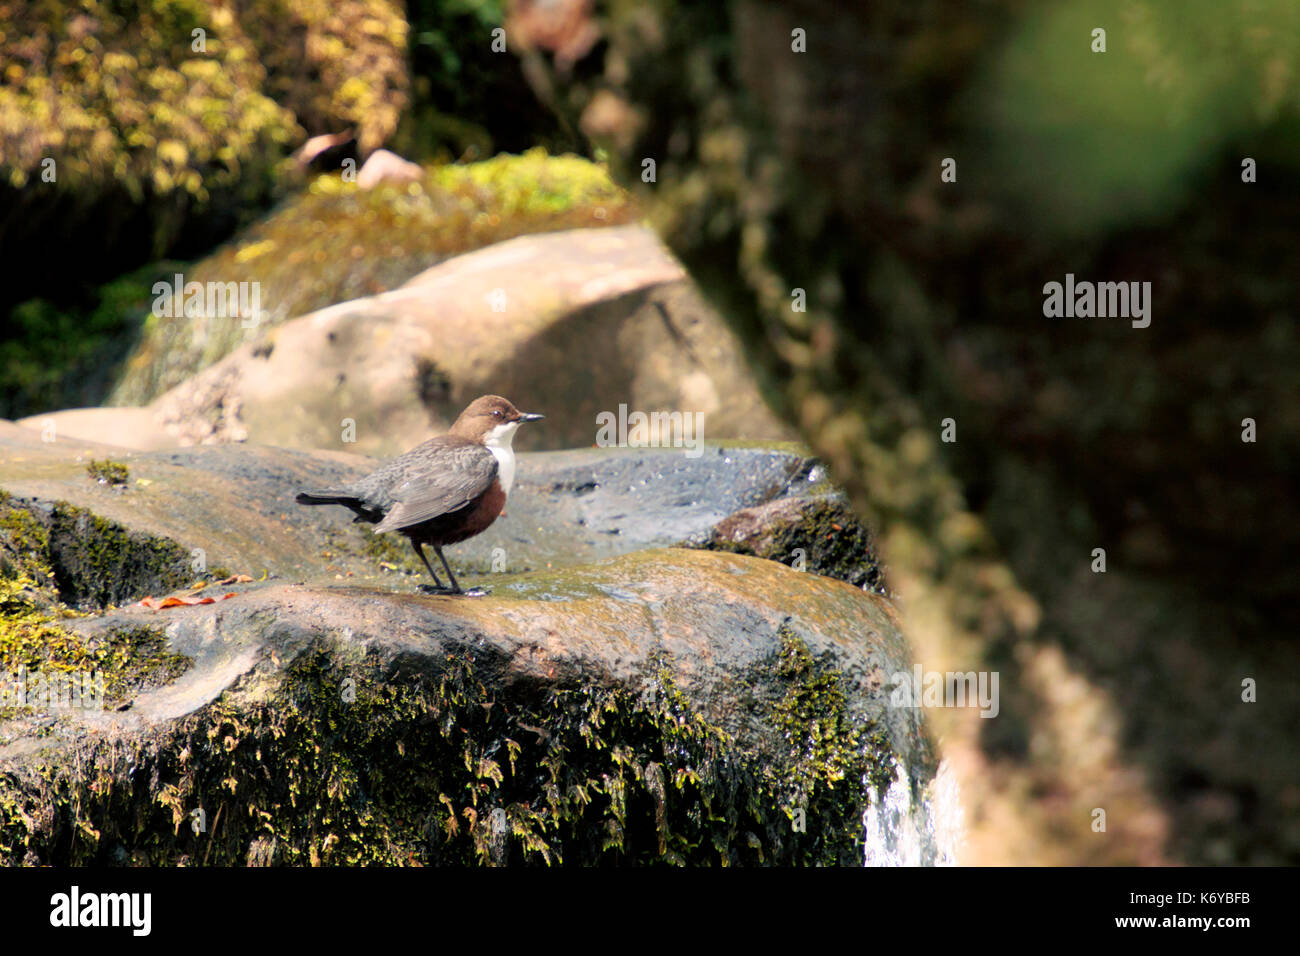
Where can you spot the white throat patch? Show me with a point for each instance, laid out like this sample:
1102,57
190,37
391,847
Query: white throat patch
498,441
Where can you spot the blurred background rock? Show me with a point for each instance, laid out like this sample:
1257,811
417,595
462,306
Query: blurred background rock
775,171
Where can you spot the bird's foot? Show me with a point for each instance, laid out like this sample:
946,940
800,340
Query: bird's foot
443,589
436,589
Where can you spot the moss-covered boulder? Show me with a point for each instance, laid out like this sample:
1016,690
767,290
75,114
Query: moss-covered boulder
818,533
610,701
668,707
338,241
678,707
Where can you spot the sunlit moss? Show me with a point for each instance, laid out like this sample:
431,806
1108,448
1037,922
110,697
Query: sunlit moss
81,559
181,95
38,642
108,472
24,544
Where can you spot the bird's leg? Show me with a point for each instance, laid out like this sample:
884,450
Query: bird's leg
438,586
437,549
455,588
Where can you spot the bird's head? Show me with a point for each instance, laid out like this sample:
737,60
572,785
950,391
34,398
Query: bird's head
492,420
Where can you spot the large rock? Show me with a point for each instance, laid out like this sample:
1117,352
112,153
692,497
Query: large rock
570,324
673,706
619,702
334,242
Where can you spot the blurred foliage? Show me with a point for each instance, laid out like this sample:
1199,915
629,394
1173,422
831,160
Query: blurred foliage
337,242
1128,129
56,355
117,91
165,119
820,171
113,93
334,65
467,101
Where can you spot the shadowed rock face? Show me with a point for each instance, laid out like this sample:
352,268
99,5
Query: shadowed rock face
819,533
617,702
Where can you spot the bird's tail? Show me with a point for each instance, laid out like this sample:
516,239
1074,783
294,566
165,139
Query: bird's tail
325,498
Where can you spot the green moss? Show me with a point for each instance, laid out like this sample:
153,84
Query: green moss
100,563
828,748
24,546
108,472
36,643
349,763
31,636
134,660
81,559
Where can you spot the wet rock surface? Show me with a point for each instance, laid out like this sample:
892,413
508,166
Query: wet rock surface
234,503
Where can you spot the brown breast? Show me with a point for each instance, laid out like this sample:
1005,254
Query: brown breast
465,523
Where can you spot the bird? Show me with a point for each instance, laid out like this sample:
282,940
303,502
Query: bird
443,491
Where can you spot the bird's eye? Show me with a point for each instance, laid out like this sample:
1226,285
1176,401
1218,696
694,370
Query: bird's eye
496,413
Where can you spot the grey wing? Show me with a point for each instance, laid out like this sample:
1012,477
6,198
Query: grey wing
468,472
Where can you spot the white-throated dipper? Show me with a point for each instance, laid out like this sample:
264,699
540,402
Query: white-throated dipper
444,491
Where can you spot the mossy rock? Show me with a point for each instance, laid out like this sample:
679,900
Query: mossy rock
660,706
820,534
337,242
380,373
670,707
89,560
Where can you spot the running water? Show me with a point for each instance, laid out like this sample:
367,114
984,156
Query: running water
913,825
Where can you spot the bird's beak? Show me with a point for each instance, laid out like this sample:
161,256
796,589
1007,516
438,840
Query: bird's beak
530,417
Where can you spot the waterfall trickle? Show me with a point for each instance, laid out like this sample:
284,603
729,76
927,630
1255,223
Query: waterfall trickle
914,823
